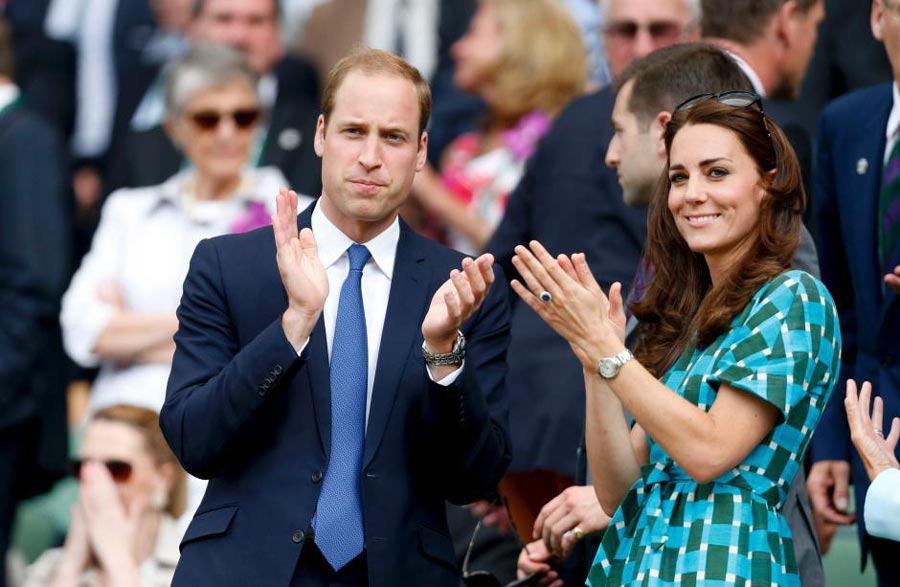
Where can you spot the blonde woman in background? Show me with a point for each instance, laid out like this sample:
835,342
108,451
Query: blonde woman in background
526,60
124,531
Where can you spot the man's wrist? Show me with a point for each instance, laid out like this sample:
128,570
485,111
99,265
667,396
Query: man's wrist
441,345
298,325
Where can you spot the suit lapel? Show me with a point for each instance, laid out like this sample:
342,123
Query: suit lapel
407,304
318,366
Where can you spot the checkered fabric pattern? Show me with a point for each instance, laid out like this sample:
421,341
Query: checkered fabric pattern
669,530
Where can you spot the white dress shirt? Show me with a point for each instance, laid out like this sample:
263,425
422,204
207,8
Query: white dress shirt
143,245
882,508
378,273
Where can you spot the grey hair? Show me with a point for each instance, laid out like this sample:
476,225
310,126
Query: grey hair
693,6
204,66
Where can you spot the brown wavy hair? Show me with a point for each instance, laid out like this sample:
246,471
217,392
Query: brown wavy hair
681,307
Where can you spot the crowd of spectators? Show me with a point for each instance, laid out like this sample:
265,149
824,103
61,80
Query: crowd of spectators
131,130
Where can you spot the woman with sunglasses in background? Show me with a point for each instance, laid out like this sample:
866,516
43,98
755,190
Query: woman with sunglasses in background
737,359
132,489
119,311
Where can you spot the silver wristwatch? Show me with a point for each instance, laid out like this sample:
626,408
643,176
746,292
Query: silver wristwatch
454,357
608,367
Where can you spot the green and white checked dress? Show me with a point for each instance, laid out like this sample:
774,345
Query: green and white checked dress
669,530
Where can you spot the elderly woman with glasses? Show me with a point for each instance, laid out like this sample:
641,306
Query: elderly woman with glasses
131,490
738,357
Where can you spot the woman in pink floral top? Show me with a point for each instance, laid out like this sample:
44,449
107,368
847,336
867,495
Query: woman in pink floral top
526,60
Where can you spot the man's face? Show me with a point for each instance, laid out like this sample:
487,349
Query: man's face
636,28
886,28
803,27
634,152
371,150
249,25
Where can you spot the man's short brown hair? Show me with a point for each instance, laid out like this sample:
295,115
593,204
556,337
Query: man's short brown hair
742,21
375,62
668,76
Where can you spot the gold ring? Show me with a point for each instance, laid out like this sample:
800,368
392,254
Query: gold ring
578,533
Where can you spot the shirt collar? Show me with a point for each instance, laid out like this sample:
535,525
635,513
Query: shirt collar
9,93
332,243
893,124
755,81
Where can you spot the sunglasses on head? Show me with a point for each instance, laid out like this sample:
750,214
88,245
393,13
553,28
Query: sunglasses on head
628,29
735,98
120,471
243,118
486,578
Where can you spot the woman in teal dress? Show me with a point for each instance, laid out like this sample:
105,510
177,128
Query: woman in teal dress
737,359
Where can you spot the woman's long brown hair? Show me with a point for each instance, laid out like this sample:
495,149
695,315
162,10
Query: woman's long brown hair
680,306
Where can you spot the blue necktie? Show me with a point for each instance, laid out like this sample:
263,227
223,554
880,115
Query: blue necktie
339,517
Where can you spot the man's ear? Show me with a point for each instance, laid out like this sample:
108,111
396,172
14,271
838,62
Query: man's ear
658,131
785,23
319,141
876,20
422,155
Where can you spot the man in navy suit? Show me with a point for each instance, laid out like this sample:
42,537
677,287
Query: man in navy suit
296,496
857,138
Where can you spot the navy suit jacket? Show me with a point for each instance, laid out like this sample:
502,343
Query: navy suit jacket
243,410
34,269
571,202
850,152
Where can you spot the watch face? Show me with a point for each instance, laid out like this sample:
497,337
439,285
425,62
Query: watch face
608,368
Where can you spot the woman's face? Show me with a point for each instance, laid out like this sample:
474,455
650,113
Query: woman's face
215,130
716,194
122,448
477,51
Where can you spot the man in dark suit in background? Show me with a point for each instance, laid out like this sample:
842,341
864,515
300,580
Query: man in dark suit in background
34,268
857,208
338,476
288,90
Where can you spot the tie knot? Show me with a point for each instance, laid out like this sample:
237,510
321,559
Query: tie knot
359,256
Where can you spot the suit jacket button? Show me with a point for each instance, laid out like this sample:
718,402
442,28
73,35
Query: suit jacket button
277,370
316,477
298,536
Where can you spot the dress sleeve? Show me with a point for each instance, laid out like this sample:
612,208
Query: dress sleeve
785,345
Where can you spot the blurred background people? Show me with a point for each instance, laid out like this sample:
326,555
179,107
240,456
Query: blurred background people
525,59
34,267
288,90
131,491
877,452
856,201
119,311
